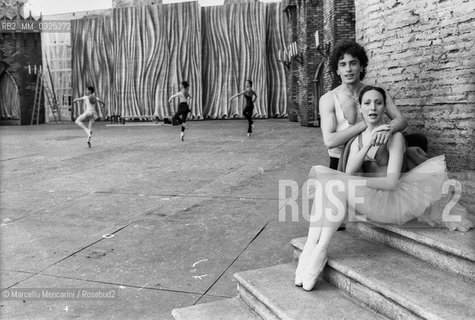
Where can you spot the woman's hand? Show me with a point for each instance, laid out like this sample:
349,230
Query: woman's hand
381,135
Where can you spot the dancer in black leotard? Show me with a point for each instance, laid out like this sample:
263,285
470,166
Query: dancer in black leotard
250,97
183,108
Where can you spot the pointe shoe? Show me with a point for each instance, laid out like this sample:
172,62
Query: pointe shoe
298,277
310,279
248,134
88,141
182,136
298,280
298,272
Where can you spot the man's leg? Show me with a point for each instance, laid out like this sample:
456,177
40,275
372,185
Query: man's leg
183,121
334,163
417,140
176,118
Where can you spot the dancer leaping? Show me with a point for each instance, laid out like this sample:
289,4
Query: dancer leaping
183,108
249,94
90,113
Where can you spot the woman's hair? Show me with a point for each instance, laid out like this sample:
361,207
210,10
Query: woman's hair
352,48
250,82
91,89
185,84
369,88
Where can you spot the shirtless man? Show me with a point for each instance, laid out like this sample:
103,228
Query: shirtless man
91,104
340,119
183,107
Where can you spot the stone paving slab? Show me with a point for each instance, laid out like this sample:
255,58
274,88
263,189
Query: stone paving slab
172,204
266,250
16,205
126,302
10,278
186,251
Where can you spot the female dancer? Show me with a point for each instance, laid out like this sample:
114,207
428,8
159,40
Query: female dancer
249,94
183,109
388,196
90,99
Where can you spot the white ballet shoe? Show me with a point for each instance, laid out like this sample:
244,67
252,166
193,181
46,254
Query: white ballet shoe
298,272
309,279
88,140
182,136
298,275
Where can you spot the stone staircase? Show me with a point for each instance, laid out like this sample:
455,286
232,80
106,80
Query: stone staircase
373,272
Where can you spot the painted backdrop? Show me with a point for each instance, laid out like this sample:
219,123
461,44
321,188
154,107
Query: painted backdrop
137,57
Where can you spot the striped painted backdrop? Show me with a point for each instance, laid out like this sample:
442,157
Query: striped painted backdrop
234,50
155,48
137,57
276,79
91,60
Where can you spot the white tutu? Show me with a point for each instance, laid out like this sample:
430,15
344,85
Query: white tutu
416,191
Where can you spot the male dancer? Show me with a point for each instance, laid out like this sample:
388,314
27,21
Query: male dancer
340,119
183,108
90,113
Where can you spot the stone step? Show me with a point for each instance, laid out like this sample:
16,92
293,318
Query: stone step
451,251
226,309
271,293
394,283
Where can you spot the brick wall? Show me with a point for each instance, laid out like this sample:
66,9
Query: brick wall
291,74
19,50
335,20
301,75
328,38
424,53
305,18
339,24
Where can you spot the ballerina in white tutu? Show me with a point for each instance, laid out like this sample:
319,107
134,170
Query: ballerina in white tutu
392,193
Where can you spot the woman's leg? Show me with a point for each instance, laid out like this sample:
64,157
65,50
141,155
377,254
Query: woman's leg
325,219
247,112
91,122
79,121
313,236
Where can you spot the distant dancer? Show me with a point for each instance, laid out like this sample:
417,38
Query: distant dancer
183,107
250,97
90,113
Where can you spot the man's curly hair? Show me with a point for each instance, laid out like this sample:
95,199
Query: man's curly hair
352,48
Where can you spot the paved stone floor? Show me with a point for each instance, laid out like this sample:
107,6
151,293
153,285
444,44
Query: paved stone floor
164,223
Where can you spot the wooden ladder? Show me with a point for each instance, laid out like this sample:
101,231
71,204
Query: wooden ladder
51,96
53,103
35,114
